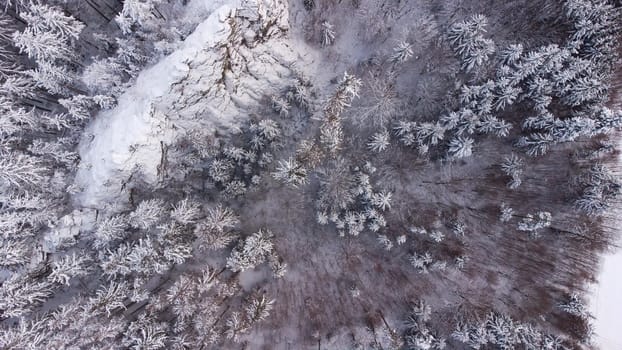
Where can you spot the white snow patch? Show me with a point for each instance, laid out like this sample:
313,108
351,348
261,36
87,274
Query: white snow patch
249,279
605,305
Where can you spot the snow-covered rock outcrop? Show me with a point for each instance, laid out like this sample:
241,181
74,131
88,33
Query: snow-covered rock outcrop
238,55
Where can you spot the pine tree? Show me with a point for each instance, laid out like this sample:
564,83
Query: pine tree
512,166
43,47
607,120
460,147
382,200
139,12
506,213
468,42
492,125
103,76
14,253
49,38
533,224
506,93
327,33
599,187
43,18
381,103
348,89
20,170
258,309
216,230
186,211
147,214
574,306
20,295
116,263
536,144
54,78
251,252
18,85
281,106
68,267
379,141
109,230
511,54
146,333
402,52
131,54
290,172
78,106
429,133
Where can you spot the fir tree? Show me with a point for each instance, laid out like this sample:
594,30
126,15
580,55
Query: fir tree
327,33
460,147
469,43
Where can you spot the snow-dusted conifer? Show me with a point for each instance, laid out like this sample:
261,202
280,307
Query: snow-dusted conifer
103,76
110,229
348,89
512,166
600,187
493,125
281,106
258,309
54,78
402,52
68,267
429,133
138,12
382,200
277,265
381,103
19,85
533,224
216,230
511,54
20,295
327,33
379,141
573,305
19,170
186,211
536,144
43,47
251,252
460,147
42,18
290,172
148,213
221,170
385,242
506,213
469,43
146,333
421,262
14,253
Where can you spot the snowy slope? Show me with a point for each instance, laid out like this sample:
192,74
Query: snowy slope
604,302
605,306
188,90
129,135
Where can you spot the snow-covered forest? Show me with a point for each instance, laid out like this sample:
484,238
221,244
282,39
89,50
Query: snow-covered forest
307,174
